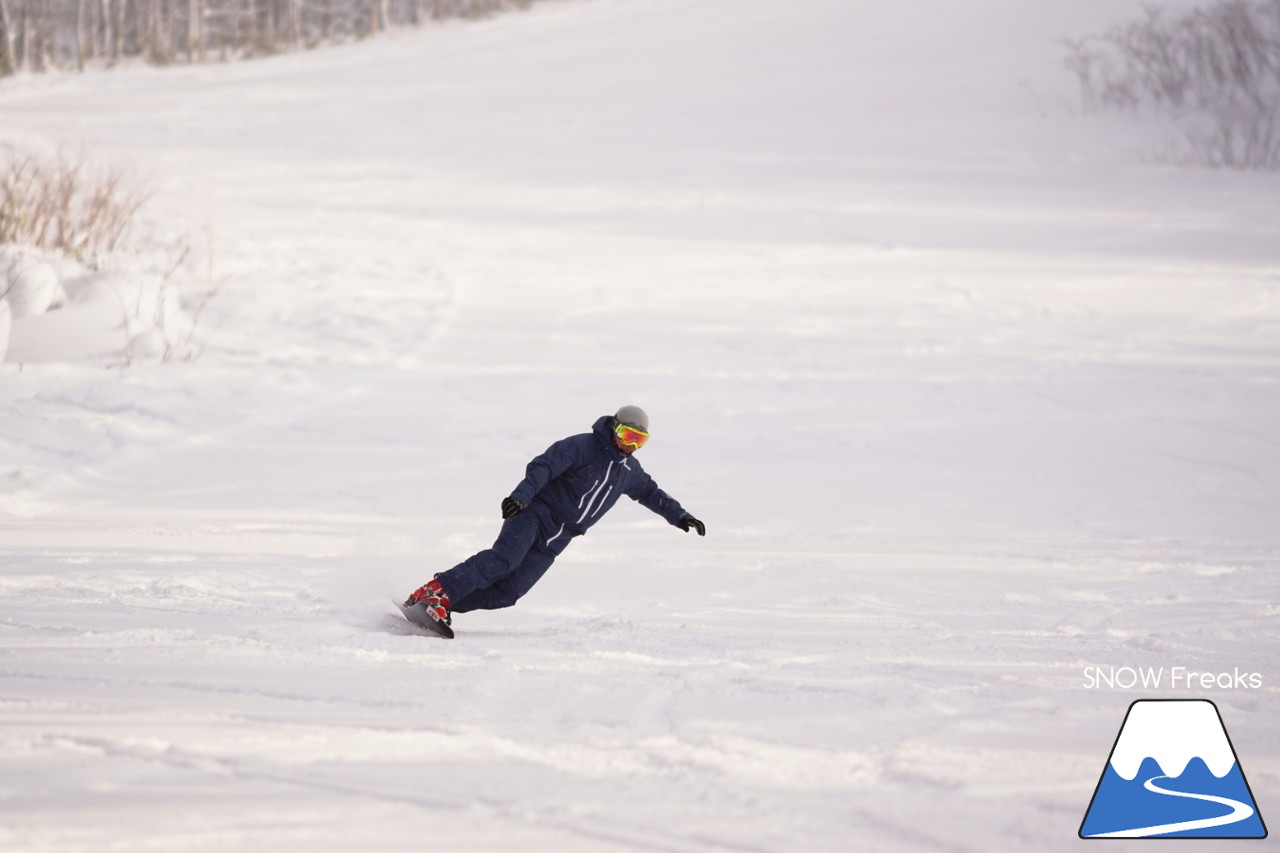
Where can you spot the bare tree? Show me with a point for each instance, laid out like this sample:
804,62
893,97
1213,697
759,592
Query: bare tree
194,45
1215,71
7,61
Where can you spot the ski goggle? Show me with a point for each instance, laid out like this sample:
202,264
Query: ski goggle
630,436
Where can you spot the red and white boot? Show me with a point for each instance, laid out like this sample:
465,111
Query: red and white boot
433,599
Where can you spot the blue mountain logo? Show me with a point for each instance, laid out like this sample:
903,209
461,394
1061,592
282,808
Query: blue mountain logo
1173,773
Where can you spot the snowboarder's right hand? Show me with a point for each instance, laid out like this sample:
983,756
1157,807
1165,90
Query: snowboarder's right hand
510,507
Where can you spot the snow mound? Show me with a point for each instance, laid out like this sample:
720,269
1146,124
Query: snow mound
28,282
63,312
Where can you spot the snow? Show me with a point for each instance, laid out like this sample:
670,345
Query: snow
970,391
31,286
1172,733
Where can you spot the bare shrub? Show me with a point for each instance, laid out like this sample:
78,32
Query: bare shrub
1214,70
64,204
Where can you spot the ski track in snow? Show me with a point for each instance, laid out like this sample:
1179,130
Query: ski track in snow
1239,811
969,397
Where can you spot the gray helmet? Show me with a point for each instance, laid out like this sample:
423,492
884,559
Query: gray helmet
633,416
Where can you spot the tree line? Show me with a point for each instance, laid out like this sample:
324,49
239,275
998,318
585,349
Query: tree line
39,35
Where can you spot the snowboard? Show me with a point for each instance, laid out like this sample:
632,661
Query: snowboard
418,615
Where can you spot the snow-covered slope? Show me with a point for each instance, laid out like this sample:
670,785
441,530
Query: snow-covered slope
1172,733
969,393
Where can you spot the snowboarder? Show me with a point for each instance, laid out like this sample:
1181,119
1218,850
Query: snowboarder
565,490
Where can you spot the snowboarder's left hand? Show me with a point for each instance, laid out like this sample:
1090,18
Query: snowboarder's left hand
511,507
690,522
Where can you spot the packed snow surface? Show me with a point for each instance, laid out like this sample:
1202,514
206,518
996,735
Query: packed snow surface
972,392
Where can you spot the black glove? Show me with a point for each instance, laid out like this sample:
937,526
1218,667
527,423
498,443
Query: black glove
510,507
689,521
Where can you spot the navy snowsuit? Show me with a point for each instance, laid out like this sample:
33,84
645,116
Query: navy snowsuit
566,489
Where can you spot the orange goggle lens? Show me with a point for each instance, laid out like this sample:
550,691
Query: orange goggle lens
630,436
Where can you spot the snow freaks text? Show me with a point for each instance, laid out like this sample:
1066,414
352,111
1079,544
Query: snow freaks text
1172,678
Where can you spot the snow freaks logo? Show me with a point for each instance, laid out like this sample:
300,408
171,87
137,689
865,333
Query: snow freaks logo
1154,678
1173,773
